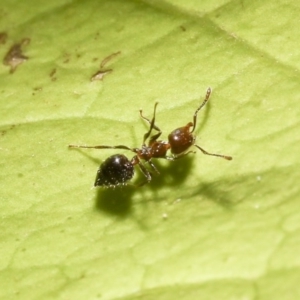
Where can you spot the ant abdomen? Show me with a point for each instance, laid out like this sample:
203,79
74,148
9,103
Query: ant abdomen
181,139
115,170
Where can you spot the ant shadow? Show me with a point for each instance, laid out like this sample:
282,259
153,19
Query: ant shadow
114,201
118,201
173,173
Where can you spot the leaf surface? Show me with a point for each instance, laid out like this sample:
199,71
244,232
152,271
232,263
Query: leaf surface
205,228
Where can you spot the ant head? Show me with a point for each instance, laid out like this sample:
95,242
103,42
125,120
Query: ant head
115,170
181,139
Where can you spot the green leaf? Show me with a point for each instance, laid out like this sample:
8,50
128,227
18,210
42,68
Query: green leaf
205,228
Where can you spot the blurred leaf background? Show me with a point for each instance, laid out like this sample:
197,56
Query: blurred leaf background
205,228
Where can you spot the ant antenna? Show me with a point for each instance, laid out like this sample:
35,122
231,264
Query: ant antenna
213,154
208,92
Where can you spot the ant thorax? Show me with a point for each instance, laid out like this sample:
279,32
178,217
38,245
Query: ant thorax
159,149
144,153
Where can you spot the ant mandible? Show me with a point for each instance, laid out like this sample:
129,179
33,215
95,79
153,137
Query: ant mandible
118,169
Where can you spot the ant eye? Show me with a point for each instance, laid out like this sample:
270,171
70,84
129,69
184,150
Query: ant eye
115,170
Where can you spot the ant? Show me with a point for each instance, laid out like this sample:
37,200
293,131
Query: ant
118,169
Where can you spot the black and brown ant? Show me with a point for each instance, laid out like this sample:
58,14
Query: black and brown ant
117,169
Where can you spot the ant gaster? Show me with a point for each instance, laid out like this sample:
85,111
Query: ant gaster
118,169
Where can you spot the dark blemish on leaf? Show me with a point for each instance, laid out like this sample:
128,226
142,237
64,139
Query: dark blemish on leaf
14,56
97,35
100,74
3,37
52,73
3,132
66,58
108,58
182,28
37,89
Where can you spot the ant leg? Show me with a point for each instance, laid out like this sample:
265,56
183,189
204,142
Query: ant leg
104,147
174,157
153,166
218,155
171,158
208,92
146,119
183,154
136,161
152,126
146,173
154,138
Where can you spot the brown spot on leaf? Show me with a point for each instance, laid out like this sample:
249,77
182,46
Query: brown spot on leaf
52,73
3,132
97,35
66,58
100,74
108,58
37,89
15,56
3,37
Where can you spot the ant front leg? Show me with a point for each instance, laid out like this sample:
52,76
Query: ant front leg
104,147
152,126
